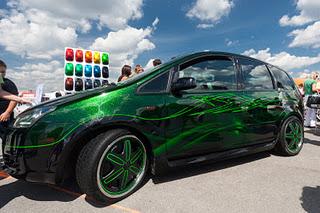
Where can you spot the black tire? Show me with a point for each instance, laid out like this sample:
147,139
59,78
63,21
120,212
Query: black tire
289,143
108,153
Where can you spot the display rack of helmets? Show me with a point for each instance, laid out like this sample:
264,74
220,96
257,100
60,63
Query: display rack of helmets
85,69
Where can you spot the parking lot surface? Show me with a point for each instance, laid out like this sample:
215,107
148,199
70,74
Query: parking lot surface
257,183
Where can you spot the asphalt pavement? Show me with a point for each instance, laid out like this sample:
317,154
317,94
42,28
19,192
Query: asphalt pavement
257,183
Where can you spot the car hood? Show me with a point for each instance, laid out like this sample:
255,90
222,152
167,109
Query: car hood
74,97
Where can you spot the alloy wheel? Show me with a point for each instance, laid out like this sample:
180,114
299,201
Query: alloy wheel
294,136
121,166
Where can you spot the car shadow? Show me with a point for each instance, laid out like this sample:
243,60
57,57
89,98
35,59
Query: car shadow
313,131
310,199
42,192
313,142
37,192
197,169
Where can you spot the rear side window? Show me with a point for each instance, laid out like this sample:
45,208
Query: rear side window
210,72
282,78
255,75
156,85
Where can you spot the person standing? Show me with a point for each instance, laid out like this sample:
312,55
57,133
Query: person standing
301,90
310,89
156,62
6,106
137,70
125,73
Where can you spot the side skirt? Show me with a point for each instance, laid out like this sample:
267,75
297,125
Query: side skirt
218,156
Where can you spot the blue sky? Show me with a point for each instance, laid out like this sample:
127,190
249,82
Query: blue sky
275,31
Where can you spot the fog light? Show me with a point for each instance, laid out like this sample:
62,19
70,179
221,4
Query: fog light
96,57
78,84
69,84
79,56
105,58
97,71
79,70
88,71
88,84
88,56
105,72
96,83
69,69
69,54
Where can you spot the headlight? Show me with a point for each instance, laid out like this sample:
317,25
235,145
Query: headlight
30,117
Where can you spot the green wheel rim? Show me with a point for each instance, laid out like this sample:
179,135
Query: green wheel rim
121,166
294,136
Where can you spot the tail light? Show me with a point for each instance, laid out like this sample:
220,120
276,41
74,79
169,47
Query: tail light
79,70
88,71
78,84
79,56
96,83
69,69
69,54
69,84
97,71
105,82
88,57
96,58
88,84
105,72
105,58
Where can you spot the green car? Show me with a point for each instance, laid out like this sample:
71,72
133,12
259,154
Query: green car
205,106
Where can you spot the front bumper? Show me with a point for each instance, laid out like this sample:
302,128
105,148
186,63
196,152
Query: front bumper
13,161
24,163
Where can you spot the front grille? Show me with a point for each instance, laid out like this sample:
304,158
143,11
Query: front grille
12,140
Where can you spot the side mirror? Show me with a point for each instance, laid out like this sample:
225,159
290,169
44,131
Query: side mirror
184,84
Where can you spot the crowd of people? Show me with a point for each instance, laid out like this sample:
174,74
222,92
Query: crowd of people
311,86
126,71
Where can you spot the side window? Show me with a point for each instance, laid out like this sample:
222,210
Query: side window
211,73
158,84
282,78
255,75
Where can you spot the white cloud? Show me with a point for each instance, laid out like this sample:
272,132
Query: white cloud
29,75
308,37
124,46
309,11
210,11
38,38
230,43
205,26
155,22
111,13
283,59
41,29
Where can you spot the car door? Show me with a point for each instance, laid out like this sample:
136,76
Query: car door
261,100
207,118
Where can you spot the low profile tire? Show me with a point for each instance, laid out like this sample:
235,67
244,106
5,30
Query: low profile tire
112,166
291,137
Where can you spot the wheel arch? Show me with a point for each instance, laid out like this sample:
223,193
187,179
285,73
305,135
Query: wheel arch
75,143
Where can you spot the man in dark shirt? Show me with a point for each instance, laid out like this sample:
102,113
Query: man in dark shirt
6,106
